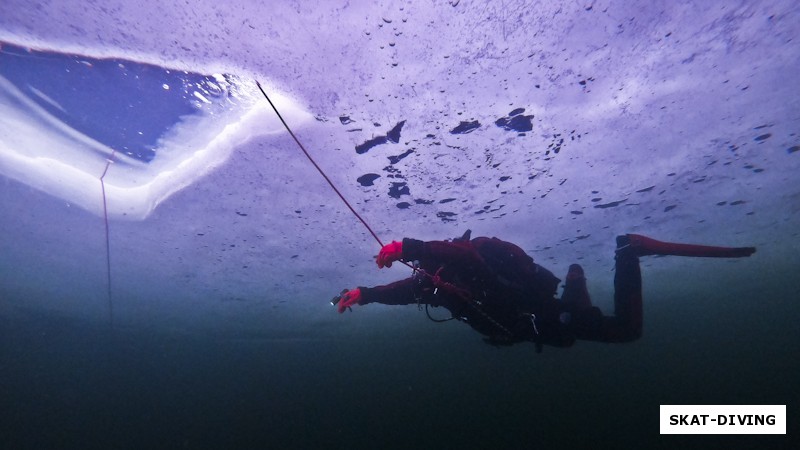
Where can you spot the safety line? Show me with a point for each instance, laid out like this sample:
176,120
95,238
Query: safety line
470,301
317,166
108,246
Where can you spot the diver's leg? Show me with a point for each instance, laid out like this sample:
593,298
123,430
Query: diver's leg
626,325
586,321
643,245
575,296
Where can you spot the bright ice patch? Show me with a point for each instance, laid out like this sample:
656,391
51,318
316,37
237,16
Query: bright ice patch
63,117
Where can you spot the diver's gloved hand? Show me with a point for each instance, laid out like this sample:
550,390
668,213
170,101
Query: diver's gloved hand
389,254
349,299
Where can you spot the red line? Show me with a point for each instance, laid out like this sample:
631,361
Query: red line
471,301
318,168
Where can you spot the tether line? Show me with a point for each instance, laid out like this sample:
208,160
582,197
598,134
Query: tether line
317,166
471,301
108,245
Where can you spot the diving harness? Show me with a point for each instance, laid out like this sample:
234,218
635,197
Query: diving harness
505,337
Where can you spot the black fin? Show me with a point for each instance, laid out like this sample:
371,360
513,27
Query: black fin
465,237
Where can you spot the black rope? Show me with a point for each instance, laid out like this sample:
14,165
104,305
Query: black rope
317,166
433,319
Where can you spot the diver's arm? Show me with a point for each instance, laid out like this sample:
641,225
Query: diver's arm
444,251
397,293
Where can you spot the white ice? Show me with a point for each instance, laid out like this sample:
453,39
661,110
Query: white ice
659,106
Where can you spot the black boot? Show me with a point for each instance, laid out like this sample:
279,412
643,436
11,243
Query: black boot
576,296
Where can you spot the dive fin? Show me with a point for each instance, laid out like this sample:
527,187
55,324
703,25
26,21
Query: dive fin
643,246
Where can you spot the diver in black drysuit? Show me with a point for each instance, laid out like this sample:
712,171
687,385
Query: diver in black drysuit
497,289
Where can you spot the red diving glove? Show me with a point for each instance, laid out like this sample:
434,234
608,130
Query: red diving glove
349,299
389,254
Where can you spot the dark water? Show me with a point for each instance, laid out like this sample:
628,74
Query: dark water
71,384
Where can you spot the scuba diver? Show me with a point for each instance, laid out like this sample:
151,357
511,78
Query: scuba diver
497,289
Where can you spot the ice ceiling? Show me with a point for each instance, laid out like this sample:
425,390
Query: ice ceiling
556,125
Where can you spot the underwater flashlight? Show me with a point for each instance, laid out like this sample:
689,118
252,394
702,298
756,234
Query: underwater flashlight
338,298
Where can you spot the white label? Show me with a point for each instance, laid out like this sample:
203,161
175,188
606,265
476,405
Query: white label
723,419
